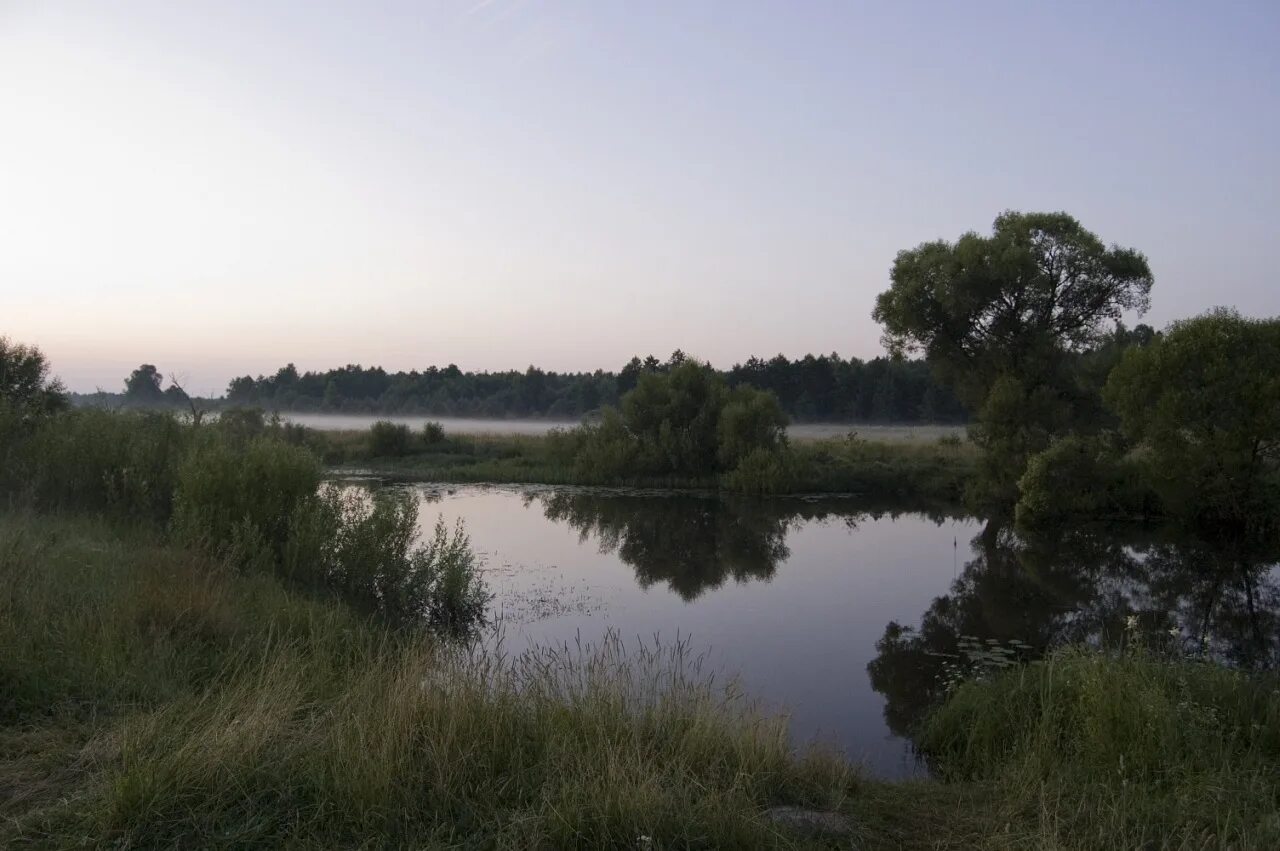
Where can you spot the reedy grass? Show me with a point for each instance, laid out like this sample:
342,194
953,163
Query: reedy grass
1134,751
188,704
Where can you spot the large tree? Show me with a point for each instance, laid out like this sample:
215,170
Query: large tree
998,318
1006,304
143,385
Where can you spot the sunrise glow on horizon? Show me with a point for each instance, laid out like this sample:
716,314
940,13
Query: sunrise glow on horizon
221,188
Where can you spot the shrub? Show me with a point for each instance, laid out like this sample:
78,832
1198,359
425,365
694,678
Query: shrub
683,423
762,472
244,503
1080,478
363,547
241,425
432,433
751,422
388,439
98,460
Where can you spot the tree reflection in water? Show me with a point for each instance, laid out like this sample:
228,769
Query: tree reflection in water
693,543
1082,587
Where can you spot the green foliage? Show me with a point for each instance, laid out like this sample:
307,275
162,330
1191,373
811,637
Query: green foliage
96,460
1009,304
1203,401
27,392
819,388
681,422
1081,479
372,562
432,434
763,471
243,502
142,387
1120,752
751,422
1005,320
388,439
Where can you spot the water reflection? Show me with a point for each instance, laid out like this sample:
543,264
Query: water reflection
1082,586
694,544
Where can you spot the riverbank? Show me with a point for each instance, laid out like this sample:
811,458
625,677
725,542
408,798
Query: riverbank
927,473
153,696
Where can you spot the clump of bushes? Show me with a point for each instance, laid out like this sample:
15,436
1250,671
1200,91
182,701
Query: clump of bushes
685,423
246,502
94,460
388,439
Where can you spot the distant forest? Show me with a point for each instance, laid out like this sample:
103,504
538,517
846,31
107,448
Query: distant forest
813,388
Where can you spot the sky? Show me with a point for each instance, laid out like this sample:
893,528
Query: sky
220,188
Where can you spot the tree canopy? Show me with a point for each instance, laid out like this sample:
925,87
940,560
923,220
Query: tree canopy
1204,402
26,389
1008,322
987,306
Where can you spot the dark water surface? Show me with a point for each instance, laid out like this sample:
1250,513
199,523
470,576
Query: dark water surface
840,615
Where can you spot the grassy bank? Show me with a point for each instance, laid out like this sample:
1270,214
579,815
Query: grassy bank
1131,751
931,472
153,697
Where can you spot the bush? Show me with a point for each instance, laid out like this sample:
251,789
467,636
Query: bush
97,460
683,423
1080,479
762,472
244,503
372,562
388,439
241,425
432,433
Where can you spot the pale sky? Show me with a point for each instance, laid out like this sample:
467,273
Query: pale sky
219,188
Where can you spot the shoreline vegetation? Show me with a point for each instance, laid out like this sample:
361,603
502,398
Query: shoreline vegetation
924,473
156,695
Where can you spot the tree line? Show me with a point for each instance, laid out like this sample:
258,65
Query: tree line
815,388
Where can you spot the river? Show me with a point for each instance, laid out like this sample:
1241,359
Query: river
842,615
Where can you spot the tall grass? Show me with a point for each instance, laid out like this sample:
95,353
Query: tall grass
1094,751
219,709
122,463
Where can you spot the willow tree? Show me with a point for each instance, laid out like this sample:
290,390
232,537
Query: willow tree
998,318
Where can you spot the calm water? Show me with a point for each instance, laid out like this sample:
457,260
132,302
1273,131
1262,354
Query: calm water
803,431
836,613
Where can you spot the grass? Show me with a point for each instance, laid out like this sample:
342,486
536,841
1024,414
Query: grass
930,472
1086,750
154,697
